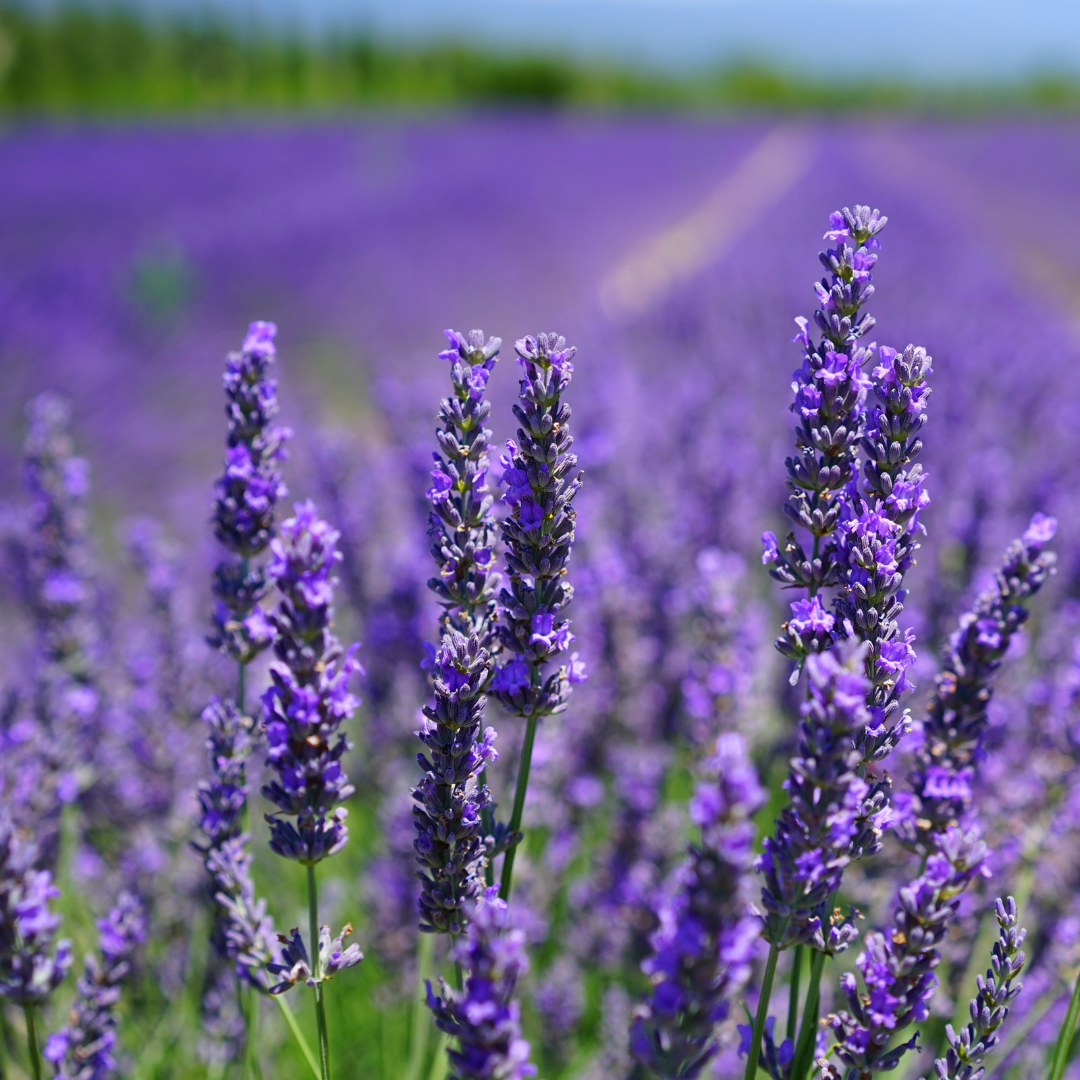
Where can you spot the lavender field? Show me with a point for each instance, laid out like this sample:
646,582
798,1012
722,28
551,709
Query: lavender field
674,254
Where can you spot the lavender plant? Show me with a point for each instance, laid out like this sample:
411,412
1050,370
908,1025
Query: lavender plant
538,471
32,965
990,1007
703,949
83,1048
246,498
483,1017
304,709
453,808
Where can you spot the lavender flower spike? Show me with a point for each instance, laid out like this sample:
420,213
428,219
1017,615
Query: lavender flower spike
462,527
953,730
247,494
990,1006
541,482
309,698
30,969
830,396
450,843
879,541
82,1050
703,949
820,831
484,1017
897,966
243,933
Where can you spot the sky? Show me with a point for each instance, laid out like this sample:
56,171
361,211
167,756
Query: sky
942,40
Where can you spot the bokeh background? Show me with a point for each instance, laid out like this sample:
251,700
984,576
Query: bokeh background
649,177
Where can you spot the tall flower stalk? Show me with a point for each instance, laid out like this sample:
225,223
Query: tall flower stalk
896,966
83,1048
541,482
304,708
452,806
955,725
830,409
246,498
483,1015
32,965
703,949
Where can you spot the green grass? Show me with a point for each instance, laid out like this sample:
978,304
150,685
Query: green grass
107,61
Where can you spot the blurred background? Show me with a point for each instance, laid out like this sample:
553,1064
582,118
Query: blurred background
651,178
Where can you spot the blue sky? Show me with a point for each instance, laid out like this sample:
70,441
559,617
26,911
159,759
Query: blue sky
927,39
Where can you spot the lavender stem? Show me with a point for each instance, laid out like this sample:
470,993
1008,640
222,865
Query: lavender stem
320,1011
762,1011
808,1028
294,1027
421,1025
793,990
32,1043
519,804
1064,1043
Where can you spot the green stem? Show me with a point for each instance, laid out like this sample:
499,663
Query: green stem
762,1011
487,819
440,1065
252,1068
519,804
298,1035
320,1010
804,1048
793,990
421,1024
459,977
1064,1043
31,1042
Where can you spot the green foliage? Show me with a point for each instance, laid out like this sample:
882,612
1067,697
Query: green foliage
103,60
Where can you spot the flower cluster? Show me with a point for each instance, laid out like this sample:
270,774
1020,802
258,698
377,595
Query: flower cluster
830,400
42,771
704,946
310,697
955,724
825,824
247,494
484,1018
243,933
30,967
295,965
82,1049
541,482
461,525
878,544
989,1008
897,966
448,802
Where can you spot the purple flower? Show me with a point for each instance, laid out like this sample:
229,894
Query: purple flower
897,966
82,1049
956,722
31,967
461,522
703,949
990,1007
830,405
827,823
247,492
769,552
451,846
309,696
1040,531
484,1018
540,472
